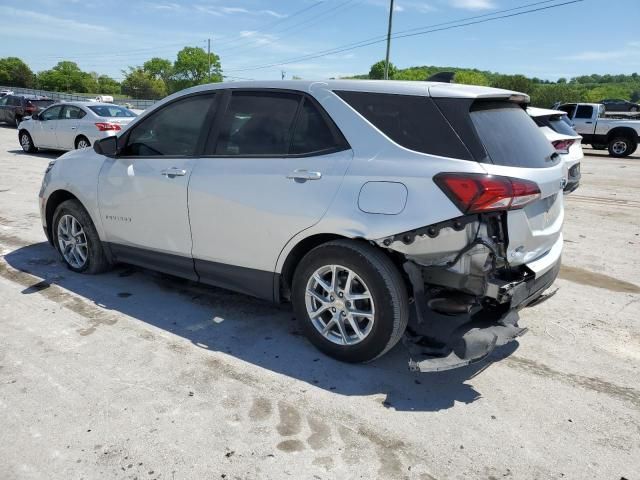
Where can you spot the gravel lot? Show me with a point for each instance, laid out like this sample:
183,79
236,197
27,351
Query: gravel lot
136,375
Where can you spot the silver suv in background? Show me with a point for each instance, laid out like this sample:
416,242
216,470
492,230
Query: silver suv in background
70,125
369,205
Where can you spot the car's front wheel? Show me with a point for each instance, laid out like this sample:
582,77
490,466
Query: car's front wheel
351,300
77,240
26,142
621,147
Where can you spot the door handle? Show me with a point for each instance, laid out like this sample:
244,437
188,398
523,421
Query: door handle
304,175
588,122
173,172
73,128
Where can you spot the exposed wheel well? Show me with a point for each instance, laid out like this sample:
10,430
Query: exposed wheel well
304,247
55,199
75,142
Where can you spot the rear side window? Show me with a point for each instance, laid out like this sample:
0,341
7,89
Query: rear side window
257,123
14,101
510,137
413,122
584,111
173,130
72,113
312,133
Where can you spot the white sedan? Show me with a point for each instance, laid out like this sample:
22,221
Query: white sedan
72,125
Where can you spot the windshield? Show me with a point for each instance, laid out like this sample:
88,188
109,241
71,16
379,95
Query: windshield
511,137
111,111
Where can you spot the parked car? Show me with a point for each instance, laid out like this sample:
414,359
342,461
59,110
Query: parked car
556,127
102,99
13,108
5,92
69,125
618,105
619,136
355,200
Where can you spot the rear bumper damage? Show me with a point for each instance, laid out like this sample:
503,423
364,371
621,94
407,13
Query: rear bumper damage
467,303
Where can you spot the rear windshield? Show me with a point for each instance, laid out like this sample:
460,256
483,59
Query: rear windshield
510,137
562,124
111,111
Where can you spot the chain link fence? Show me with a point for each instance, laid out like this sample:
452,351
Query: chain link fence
71,97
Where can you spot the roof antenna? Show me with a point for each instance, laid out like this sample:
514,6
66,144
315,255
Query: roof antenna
444,77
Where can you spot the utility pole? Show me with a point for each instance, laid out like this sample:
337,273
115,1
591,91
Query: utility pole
386,61
209,57
282,74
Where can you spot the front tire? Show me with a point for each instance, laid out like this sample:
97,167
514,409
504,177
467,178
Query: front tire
350,300
26,142
76,239
621,147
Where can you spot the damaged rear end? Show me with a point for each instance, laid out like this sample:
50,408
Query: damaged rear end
471,274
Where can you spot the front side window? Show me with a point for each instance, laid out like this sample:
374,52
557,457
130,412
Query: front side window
52,113
174,130
257,123
584,111
3,101
69,112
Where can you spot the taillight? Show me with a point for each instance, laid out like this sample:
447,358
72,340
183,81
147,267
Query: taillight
30,108
477,192
562,146
104,127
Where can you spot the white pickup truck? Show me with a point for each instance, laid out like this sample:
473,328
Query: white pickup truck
619,136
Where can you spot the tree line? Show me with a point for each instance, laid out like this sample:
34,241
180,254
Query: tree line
159,77
156,78
543,93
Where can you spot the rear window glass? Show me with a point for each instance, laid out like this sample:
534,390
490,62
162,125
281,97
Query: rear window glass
111,111
413,122
562,125
511,137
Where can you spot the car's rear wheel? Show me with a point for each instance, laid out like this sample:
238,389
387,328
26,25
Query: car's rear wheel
26,142
82,142
350,300
621,147
77,240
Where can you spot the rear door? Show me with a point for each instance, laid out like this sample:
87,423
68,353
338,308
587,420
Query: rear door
67,130
516,147
273,167
584,120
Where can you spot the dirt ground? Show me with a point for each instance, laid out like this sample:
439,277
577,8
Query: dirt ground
133,374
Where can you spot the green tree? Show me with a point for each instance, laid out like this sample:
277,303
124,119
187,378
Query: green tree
159,68
519,83
66,76
470,77
192,67
107,84
377,70
141,84
15,73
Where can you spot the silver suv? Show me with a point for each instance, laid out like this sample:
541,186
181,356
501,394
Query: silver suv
369,205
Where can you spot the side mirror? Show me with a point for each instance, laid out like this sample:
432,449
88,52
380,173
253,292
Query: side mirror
107,146
35,117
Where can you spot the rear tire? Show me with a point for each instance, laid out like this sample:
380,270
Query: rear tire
76,239
374,279
620,147
26,142
82,142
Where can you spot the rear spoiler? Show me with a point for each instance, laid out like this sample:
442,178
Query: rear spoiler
444,77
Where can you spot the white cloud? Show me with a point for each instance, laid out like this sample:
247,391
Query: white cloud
632,51
49,22
220,11
473,4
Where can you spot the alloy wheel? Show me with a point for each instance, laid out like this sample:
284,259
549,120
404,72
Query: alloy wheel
72,241
619,147
340,305
25,142
82,143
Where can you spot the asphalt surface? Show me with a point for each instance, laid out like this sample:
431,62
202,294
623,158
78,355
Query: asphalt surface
133,374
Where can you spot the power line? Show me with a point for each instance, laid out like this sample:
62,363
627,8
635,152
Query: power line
429,29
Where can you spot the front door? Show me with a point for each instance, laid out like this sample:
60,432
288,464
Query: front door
45,128
275,168
142,192
4,108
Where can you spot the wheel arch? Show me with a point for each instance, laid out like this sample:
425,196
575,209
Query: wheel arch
77,139
626,132
55,199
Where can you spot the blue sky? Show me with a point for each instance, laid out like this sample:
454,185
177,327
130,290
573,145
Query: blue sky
594,36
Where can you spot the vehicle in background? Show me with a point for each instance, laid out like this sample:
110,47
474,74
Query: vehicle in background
72,125
13,108
102,99
619,136
619,105
5,92
356,200
556,126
